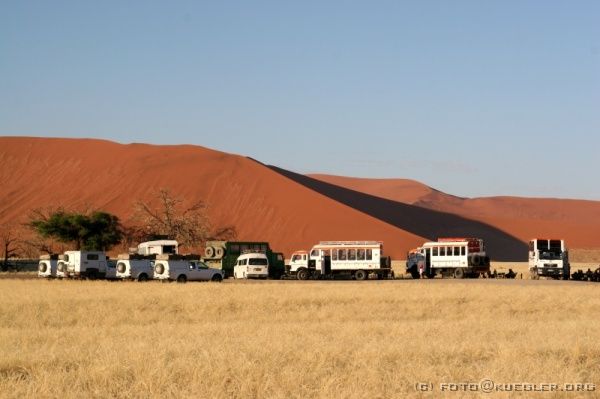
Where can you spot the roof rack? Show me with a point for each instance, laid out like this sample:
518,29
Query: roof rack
350,243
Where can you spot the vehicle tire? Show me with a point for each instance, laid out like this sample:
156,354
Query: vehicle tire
415,274
476,260
486,261
91,275
159,269
219,252
360,275
567,274
302,274
459,273
209,252
182,279
217,278
142,277
42,268
474,275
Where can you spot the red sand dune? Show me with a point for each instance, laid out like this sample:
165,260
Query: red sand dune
263,205
577,221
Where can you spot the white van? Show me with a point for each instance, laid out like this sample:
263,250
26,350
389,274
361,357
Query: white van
184,268
47,266
85,264
251,265
135,267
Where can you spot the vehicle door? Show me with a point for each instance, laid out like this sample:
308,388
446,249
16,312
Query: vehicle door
203,271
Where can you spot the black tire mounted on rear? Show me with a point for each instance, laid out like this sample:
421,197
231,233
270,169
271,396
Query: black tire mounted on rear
360,275
182,279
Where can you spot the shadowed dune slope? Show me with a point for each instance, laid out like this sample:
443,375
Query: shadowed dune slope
262,204
421,221
577,221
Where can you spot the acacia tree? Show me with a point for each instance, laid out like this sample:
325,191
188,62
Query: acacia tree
96,230
190,226
10,243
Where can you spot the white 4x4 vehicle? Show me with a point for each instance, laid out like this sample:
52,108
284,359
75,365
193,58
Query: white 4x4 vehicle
184,268
85,264
135,267
251,265
47,266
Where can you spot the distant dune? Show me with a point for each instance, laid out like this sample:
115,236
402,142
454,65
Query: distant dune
577,221
266,203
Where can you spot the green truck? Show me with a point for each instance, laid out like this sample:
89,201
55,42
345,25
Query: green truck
224,254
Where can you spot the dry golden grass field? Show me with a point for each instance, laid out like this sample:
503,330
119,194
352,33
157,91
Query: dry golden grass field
290,339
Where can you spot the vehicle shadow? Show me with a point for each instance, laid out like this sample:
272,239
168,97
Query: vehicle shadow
423,222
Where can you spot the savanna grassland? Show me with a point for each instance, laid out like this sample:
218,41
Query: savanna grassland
324,339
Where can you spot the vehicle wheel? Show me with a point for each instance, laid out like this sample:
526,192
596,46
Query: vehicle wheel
360,275
415,274
91,275
474,275
217,278
459,273
143,277
302,274
182,279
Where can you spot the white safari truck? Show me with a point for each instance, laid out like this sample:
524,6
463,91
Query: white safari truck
140,265
182,268
251,265
449,257
47,266
85,264
356,259
548,258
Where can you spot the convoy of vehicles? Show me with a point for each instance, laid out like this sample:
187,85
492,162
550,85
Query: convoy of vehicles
359,260
252,265
548,258
356,259
449,257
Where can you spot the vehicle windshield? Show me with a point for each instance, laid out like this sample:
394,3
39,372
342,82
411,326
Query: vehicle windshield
258,262
550,255
202,265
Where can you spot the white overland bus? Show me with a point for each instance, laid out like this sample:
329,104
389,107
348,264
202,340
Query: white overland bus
450,257
140,266
356,259
251,265
549,258
47,266
85,264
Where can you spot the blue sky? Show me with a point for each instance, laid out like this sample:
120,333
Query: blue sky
475,98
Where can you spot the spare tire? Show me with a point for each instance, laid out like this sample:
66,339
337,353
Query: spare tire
486,261
159,268
61,267
476,260
42,267
121,267
209,252
219,252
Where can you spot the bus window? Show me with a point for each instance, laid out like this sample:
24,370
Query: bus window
341,254
325,252
442,251
456,251
314,253
434,251
369,254
333,254
352,254
360,254
463,251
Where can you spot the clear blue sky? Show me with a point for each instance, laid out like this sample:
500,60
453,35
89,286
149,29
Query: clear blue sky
475,98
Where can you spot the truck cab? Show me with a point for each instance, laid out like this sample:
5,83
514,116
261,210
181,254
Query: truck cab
548,258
